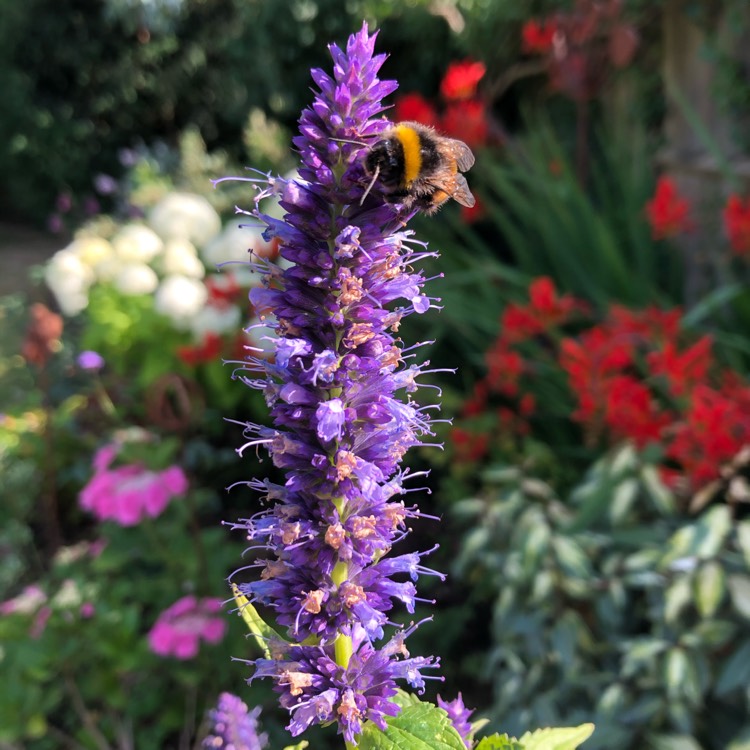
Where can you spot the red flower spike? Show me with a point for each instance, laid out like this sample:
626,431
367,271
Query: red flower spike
631,412
685,370
545,311
668,212
737,224
505,367
537,36
461,79
470,447
466,120
414,107
714,430
208,350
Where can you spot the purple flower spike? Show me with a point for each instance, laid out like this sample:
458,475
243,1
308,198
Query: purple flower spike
339,392
459,715
234,727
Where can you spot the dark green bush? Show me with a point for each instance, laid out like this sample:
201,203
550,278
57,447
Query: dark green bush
613,605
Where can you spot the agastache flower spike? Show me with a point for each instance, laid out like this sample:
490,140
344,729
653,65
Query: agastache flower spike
343,417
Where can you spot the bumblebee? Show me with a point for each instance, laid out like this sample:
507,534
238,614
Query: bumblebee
419,168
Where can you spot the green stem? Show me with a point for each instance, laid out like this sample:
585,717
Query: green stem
343,644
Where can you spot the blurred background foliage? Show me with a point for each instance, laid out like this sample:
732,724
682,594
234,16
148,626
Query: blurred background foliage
593,576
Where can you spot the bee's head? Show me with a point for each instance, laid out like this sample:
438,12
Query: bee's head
386,160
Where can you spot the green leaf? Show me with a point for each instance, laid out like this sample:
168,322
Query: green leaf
299,746
659,493
674,742
418,727
677,597
741,741
743,539
641,653
623,498
710,586
739,590
736,671
572,559
404,699
558,738
255,623
677,672
498,742
702,539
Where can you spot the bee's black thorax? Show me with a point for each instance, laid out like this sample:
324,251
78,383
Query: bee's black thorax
429,154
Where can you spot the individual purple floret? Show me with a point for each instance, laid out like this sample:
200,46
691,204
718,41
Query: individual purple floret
338,386
459,715
92,361
233,727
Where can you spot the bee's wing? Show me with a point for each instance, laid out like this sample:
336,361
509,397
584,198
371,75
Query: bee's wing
462,154
461,192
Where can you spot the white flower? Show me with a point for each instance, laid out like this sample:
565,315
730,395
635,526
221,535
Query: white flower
135,243
180,298
185,216
181,258
68,595
69,280
107,269
235,244
212,319
92,250
135,278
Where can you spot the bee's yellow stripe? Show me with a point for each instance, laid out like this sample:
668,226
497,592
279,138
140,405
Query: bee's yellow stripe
409,139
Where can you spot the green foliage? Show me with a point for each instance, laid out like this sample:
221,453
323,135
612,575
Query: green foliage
126,73
592,240
612,603
417,727
89,676
567,738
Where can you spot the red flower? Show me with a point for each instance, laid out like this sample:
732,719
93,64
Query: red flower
737,223
715,428
466,120
416,108
461,79
537,36
651,324
683,370
668,212
591,362
208,350
469,446
475,213
546,310
223,290
504,366
631,412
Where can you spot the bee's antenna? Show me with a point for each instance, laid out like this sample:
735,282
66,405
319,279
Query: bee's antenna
369,187
346,140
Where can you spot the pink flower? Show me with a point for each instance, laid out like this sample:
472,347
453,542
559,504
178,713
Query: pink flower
179,629
28,601
40,623
127,494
